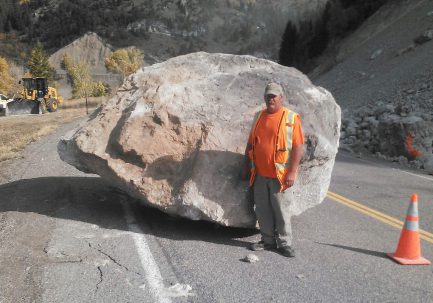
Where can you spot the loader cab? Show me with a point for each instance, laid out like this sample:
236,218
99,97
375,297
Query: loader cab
41,87
37,85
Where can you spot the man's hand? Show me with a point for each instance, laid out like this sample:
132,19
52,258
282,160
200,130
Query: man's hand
290,179
295,158
244,172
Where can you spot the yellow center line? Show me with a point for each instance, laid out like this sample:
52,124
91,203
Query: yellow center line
376,214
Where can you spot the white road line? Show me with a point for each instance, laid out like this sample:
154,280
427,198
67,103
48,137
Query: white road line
385,166
151,270
412,174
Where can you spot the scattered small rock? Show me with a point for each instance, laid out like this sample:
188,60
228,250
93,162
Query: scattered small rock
409,91
179,290
376,54
407,49
351,140
428,165
250,258
426,116
346,148
379,155
416,164
362,74
424,37
300,277
430,14
402,160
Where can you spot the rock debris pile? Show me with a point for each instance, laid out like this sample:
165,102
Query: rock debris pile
399,128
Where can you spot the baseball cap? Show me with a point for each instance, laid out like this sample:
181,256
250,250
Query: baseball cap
273,89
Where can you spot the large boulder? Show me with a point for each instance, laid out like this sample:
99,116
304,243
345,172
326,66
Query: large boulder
175,133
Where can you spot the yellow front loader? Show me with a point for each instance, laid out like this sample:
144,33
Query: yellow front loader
36,98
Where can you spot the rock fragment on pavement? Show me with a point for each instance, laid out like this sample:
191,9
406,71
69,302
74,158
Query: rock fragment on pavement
250,258
175,133
424,37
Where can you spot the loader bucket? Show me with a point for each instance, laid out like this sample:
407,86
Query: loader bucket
23,107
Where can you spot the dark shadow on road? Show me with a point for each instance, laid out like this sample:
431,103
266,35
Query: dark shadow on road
92,200
358,250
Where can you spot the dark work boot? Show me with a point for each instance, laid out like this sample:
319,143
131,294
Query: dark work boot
287,251
262,246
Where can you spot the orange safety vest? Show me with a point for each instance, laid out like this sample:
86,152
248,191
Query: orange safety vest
283,145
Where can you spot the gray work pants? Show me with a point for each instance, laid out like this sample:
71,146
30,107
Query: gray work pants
272,211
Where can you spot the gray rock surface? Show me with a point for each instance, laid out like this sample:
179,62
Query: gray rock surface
175,134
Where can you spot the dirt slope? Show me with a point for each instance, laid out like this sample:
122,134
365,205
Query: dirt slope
90,49
370,70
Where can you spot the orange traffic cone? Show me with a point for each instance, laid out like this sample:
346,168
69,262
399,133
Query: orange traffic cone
409,248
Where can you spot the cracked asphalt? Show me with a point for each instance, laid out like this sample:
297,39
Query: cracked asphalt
66,236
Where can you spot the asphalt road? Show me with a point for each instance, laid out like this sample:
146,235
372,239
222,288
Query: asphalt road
70,237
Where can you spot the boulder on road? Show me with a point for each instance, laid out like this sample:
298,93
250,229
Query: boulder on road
175,134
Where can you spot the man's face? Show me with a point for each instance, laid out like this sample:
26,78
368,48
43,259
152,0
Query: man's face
273,103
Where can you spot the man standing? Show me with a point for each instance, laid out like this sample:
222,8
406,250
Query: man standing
273,153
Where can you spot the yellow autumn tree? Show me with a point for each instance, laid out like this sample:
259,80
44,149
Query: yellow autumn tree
124,61
6,80
83,85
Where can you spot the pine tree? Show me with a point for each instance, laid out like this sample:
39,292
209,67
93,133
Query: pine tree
38,63
288,49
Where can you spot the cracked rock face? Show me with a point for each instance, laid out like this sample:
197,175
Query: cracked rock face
175,134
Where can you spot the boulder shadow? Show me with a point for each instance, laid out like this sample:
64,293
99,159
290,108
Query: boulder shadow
358,250
92,200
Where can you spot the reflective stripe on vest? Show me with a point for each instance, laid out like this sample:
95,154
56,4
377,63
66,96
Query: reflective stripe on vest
290,120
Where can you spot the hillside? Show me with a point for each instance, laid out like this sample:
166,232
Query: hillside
381,60
174,27
163,29
90,49
383,80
